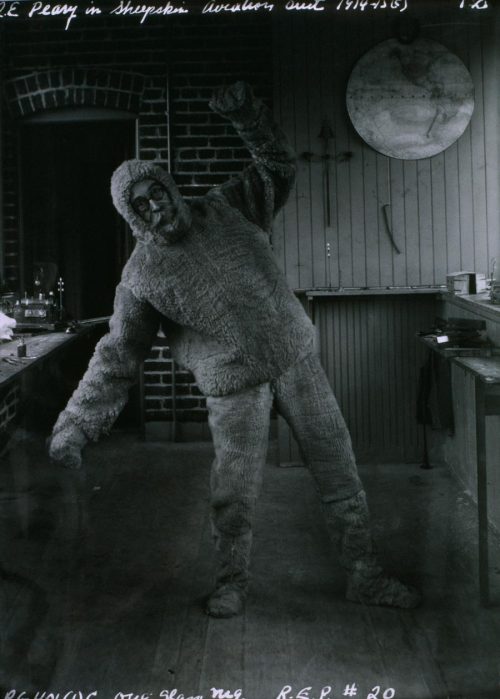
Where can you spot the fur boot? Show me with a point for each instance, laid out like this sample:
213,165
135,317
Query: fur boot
348,523
233,553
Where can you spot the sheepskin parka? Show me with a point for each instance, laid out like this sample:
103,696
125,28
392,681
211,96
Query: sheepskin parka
210,281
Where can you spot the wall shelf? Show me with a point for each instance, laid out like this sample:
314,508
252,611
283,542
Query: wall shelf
372,291
474,303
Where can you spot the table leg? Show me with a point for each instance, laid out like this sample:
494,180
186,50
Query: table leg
482,493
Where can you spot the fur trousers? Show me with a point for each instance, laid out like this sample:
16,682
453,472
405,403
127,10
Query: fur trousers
240,428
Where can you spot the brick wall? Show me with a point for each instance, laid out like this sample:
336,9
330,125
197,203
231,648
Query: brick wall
112,43
57,88
205,54
205,150
168,391
183,59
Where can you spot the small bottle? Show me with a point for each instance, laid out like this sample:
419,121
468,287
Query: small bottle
21,348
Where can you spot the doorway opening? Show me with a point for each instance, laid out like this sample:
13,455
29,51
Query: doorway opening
70,228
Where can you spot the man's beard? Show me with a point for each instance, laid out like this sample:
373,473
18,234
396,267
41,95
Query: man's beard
173,226
160,219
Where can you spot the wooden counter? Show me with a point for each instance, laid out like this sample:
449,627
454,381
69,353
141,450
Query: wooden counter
39,348
486,374
479,304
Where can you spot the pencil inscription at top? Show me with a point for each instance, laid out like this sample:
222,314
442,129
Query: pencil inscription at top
69,12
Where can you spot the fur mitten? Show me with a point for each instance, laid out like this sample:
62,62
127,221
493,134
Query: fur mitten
236,103
66,443
263,187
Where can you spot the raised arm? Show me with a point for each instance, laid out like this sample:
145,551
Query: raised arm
263,187
103,390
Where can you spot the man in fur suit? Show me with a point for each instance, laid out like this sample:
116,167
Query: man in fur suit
205,273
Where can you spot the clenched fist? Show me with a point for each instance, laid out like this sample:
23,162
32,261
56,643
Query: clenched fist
233,102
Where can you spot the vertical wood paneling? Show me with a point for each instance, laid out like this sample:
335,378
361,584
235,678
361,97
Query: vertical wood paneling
396,188
466,210
285,229
439,227
2,236
426,261
443,213
412,223
372,358
383,252
371,262
444,210
478,165
452,208
316,273
491,66
302,142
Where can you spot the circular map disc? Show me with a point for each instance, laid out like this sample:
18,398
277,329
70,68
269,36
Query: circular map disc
410,101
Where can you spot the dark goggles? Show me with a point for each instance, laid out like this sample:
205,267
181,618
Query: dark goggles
141,204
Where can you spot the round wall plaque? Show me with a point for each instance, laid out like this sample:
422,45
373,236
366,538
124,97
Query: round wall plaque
410,101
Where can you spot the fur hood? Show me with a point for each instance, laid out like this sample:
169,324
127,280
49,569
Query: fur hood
122,181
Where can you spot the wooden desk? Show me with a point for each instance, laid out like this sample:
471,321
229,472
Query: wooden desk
38,349
41,346
34,386
486,372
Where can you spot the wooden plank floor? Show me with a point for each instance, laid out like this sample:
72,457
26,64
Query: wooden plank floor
104,574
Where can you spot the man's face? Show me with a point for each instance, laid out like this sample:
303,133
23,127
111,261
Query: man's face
153,203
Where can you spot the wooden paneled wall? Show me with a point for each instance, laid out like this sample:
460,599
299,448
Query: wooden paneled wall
444,213
444,210
369,350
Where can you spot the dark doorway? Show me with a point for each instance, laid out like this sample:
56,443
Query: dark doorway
68,219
